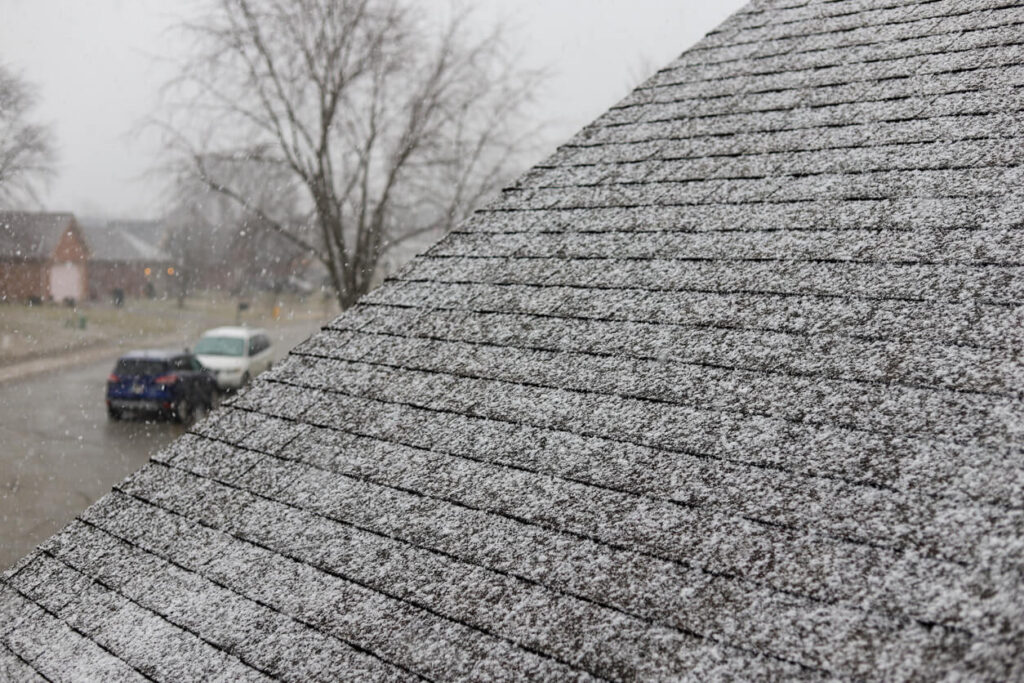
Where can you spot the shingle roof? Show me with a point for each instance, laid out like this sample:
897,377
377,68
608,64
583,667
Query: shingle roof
731,384
123,241
31,235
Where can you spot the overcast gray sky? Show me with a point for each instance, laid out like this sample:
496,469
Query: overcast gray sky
98,66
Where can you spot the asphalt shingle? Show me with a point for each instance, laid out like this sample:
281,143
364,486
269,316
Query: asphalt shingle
728,386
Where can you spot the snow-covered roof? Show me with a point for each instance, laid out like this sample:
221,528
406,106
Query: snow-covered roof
124,241
32,235
731,384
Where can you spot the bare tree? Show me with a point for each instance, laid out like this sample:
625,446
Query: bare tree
218,243
391,122
26,148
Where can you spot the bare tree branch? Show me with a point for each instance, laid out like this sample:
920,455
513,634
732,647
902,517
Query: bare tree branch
393,127
27,155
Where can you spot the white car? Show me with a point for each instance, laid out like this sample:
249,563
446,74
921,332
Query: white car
235,354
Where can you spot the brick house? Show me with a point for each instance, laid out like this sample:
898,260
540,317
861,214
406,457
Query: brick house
42,256
126,256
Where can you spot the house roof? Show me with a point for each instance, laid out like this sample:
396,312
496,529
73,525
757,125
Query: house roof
731,384
124,241
32,235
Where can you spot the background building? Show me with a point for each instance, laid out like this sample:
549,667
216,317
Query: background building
43,256
126,258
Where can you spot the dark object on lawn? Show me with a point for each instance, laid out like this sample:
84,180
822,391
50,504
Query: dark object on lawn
242,307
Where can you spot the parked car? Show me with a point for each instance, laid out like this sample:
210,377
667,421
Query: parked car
235,354
171,383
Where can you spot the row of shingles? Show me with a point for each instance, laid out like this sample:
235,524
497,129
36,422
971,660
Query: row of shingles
1001,149
702,167
940,71
794,336
369,478
162,600
965,183
170,606
625,359
251,534
755,11
763,12
899,214
993,284
959,28
667,104
871,127
861,513
856,138
849,27
301,502
15,669
800,562
594,516
981,614
867,42
79,626
41,647
970,419
949,321
952,246
743,402
822,86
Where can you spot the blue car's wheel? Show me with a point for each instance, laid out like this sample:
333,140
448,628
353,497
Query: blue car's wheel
183,410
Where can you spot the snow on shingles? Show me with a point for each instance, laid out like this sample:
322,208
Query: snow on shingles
666,322
762,12
904,214
925,184
856,160
961,31
246,626
607,575
963,417
686,102
346,608
584,446
919,65
109,612
883,516
782,24
48,647
237,620
14,668
981,246
319,542
783,136
889,460
975,29
247,430
989,283
693,82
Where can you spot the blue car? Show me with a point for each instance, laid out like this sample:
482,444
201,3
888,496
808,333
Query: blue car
168,383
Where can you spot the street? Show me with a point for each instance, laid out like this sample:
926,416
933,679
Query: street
59,453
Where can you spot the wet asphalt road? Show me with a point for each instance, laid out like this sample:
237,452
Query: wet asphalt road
59,453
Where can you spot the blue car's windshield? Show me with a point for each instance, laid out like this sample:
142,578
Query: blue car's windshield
220,346
139,367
